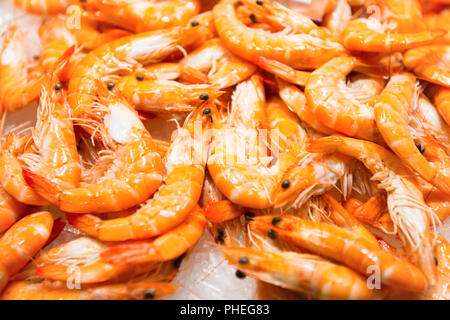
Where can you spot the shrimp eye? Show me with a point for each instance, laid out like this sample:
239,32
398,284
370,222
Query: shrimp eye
206,111
271,234
203,96
243,260
259,2
58,86
285,184
110,85
139,77
240,274
149,294
194,23
249,216
275,220
421,148
252,17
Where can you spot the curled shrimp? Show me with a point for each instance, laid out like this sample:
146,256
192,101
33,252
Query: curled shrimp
399,29
412,218
123,55
343,246
142,290
431,63
302,50
142,15
20,78
305,273
177,196
392,116
165,247
238,162
134,172
224,69
21,242
334,106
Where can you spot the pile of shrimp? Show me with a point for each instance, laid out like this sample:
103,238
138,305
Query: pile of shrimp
311,140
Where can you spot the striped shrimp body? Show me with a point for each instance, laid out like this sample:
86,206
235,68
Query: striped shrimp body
300,51
11,210
20,78
344,246
165,247
21,242
175,199
141,15
407,209
431,63
122,55
144,290
392,116
224,69
334,106
308,274
238,163
134,172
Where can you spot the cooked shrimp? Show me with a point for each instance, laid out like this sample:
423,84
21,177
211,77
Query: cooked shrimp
44,7
407,209
343,246
334,106
238,162
317,278
219,211
144,290
143,15
440,204
165,247
123,55
20,78
336,21
392,116
165,95
299,51
441,98
180,192
134,172
224,69
21,242
431,63
11,210
11,170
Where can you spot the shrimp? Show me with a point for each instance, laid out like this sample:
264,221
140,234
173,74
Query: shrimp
441,98
336,21
431,63
311,275
20,78
123,55
135,168
165,95
11,165
21,242
53,135
440,204
44,7
240,170
143,290
407,209
392,116
175,199
11,210
334,106
283,71
300,51
142,15
343,246
166,247
224,68
219,211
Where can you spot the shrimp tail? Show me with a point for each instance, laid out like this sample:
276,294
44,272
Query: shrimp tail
53,271
86,223
323,145
283,71
44,187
